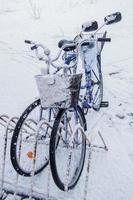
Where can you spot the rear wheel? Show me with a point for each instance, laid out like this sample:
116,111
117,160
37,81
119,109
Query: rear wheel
30,140
67,158
97,85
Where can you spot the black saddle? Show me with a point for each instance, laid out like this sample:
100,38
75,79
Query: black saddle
72,46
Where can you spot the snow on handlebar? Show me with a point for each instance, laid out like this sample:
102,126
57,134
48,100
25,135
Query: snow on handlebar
36,47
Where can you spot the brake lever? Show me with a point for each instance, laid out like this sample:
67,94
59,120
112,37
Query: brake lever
34,47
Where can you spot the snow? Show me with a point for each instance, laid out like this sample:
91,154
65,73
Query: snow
111,172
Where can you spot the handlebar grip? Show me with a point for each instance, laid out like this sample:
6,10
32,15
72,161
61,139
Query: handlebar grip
28,41
34,47
104,39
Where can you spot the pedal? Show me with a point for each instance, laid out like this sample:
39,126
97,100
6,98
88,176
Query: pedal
104,104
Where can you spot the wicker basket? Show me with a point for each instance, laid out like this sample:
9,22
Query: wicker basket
60,91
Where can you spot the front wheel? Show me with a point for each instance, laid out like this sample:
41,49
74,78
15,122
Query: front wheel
67,158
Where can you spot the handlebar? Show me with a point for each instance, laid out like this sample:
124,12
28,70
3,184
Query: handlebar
33,43
74,45
28,42
46,51
36,46
65,47
104,39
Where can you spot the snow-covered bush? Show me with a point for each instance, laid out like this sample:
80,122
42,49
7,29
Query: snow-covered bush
35,8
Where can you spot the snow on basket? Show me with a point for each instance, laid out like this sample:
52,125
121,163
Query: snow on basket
58,90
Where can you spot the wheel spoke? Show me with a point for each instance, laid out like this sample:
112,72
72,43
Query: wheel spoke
30,135
67,158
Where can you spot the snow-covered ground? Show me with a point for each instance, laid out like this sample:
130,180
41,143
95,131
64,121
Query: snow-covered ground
110,172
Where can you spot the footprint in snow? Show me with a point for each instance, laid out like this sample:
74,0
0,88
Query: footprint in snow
120,116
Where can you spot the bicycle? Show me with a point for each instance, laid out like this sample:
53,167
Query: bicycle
31,135
41,125
67,159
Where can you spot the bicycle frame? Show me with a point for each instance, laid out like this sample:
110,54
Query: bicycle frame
88,99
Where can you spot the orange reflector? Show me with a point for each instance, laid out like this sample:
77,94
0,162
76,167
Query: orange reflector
30,154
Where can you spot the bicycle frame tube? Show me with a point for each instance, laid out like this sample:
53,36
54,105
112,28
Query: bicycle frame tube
88,58
91,60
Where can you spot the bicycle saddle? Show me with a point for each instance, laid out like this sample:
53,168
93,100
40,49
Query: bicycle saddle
61,43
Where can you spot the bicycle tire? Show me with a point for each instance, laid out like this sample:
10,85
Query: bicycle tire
53,149
13,149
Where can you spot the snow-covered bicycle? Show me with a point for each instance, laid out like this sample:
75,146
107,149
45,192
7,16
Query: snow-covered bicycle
67,158
30,140
58,111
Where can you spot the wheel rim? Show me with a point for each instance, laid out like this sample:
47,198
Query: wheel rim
24,148
69,158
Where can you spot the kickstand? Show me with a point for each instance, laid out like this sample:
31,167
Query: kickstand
104,144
